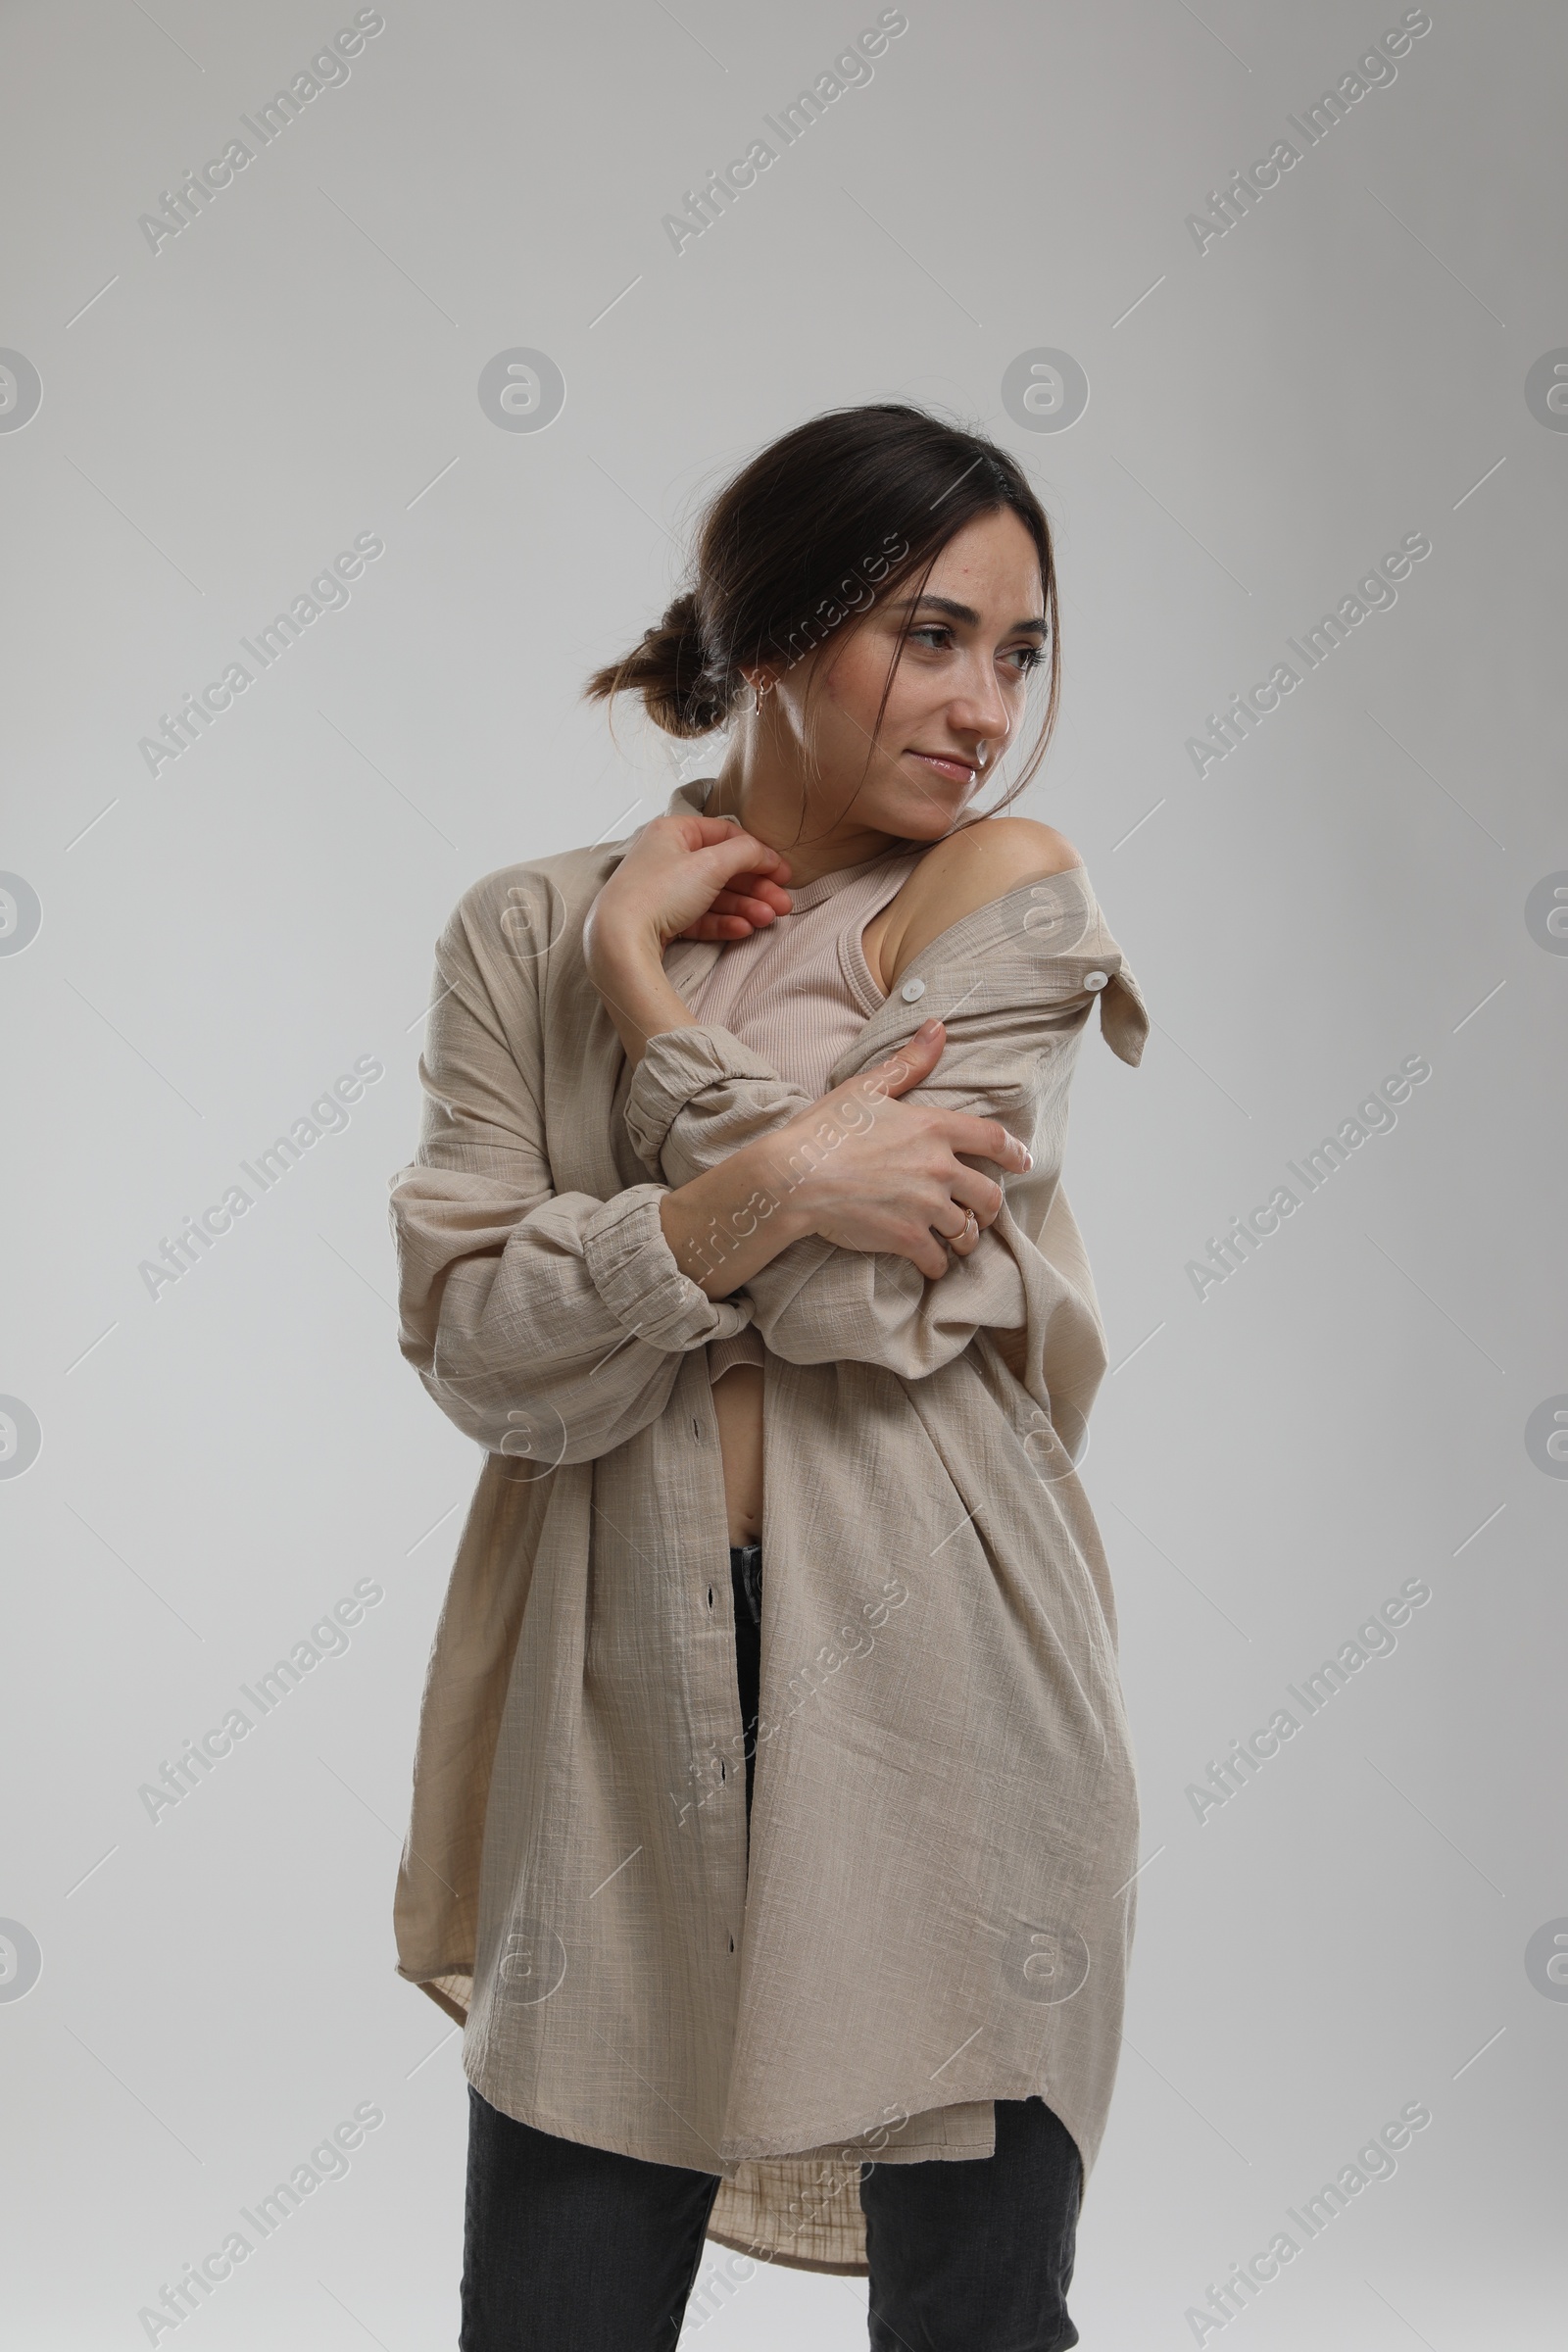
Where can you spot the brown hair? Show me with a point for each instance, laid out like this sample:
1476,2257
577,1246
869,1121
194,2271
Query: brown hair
819,527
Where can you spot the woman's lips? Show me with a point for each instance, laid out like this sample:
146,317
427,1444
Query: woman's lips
953,772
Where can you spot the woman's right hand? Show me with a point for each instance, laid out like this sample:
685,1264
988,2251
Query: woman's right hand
869,1172
683,877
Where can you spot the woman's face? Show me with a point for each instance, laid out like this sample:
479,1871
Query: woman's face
956,700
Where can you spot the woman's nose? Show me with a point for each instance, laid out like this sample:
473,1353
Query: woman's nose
978,708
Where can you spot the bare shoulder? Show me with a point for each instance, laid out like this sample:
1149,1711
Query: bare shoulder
963,873
996,853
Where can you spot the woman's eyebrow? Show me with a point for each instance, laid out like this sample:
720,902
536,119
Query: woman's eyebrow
964,613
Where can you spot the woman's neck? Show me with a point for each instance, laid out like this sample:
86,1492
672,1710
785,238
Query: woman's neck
770,806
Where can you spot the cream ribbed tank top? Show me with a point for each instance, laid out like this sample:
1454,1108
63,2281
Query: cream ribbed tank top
798,992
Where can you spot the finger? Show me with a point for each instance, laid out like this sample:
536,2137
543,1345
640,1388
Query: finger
746,895
754,912
986,1138
756,886
930,1256
741,917
914,1061
735,851
972,1190
967,1242
764,883
721,927
710,832
968,1236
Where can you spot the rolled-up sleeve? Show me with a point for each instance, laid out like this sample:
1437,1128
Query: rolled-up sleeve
545,1324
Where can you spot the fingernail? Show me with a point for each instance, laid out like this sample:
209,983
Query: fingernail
930,1027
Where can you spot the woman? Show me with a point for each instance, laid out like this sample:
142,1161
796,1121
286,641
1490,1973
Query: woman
788,1904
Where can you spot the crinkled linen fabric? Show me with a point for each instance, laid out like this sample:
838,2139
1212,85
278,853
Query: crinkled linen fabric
941,1897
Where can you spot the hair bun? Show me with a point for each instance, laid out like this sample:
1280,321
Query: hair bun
681,620
670,670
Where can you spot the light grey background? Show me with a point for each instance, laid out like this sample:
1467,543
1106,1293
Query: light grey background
1266,418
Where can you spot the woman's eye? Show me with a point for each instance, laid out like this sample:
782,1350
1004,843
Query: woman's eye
937,639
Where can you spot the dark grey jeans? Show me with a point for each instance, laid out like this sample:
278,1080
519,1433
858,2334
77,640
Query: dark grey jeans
568,2248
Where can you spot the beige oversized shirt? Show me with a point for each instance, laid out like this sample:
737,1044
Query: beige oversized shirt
940,1898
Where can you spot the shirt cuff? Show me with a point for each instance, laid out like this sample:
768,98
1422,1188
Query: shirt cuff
744,1348
677,1065
633,1269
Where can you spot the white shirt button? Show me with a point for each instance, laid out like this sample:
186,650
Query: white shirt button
912,990
1097,980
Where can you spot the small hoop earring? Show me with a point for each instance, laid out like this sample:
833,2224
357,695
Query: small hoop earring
759,694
